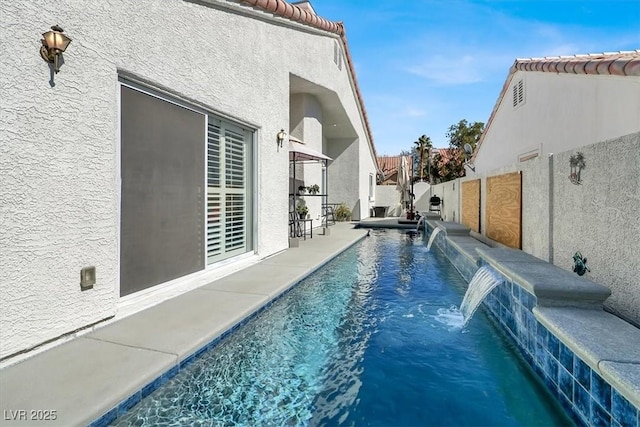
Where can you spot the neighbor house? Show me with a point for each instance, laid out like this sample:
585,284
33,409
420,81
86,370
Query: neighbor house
151,161
553,104
389,166
557,169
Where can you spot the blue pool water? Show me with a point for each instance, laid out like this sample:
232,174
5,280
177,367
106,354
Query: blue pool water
360,342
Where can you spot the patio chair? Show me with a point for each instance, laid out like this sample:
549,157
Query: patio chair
298,226
329,214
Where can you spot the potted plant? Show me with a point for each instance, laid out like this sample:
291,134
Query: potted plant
313,189
302,209
302,189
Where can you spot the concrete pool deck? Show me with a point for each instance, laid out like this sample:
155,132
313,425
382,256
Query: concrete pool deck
79,381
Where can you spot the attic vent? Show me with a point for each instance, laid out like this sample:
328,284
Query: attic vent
337,55
518,93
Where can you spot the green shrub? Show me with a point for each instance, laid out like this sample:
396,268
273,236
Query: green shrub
343,213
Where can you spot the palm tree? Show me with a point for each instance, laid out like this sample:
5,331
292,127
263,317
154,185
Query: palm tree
423,146
580,163
573,163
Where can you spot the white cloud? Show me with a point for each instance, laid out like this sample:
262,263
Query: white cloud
412,112
449,71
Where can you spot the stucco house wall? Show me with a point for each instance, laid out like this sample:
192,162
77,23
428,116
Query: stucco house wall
59,137
602,106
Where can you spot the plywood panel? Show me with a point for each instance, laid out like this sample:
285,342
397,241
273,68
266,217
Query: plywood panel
504,209
471,204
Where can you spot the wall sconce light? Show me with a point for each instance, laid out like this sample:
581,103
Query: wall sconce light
280,137
53,44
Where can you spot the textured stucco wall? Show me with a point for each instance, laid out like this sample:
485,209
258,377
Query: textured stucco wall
343,176
306,122
367,165
536,197
601,218
59,165
449,193
387,195
601,108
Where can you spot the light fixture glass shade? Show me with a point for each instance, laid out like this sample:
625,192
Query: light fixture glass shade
55,40
281,136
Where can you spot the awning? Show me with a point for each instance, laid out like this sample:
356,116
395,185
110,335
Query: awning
299,151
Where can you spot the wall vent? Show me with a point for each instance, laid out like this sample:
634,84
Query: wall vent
337,55
518,93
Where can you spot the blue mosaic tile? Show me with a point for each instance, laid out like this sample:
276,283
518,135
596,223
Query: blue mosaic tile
528,300
582,401
106,419
599,417
550,385
152,386
623,411
129,403
538,370
565,382
515,291
171,373
566,358
582,373
551,369
510,321
541,334
553,345
187,361
601,391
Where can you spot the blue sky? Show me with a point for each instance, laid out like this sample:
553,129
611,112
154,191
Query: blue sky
423,65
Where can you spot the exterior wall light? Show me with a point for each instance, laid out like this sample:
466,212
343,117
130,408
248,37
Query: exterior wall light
280,137
53,44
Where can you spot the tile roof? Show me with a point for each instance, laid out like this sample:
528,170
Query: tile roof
623,63
390,164
304,15
612,63
446,154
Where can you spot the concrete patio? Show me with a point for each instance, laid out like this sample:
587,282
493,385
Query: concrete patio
81,380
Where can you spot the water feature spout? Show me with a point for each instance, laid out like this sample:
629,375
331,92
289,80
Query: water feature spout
433,237
421,220
482,283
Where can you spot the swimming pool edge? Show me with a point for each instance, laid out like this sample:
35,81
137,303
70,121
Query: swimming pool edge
558,351
107,416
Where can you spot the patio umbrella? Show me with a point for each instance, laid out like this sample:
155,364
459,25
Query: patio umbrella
403,181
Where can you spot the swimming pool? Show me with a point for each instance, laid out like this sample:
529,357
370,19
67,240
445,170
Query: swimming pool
359,342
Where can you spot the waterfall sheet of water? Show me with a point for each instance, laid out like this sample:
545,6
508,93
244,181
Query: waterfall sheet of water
433,237
421,220
482,283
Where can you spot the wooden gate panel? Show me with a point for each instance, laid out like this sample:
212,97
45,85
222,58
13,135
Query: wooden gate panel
504,209
471,204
